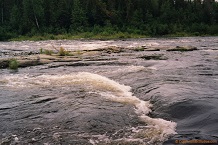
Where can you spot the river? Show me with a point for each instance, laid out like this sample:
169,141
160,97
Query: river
113,98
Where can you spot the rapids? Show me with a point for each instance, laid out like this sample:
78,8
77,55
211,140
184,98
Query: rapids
119,99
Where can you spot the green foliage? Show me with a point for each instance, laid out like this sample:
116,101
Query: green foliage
78,18
213,29
48,52
55,19
4,35
198,28
15,18
13,64
41,51
139,49
63,52
79,52
45,51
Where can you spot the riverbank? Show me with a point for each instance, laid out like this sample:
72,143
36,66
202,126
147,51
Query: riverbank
98,36
77,36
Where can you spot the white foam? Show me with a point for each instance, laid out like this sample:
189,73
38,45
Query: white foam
131,69
164,127
89,80
156,129
141,107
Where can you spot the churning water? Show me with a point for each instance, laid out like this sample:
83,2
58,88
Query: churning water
116,98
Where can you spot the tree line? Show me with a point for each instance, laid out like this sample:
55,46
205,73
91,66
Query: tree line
145,17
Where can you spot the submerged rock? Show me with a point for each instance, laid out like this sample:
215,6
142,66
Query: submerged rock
183,48
154,57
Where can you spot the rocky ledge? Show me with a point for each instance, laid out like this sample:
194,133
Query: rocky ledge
40,59
183,48
32,60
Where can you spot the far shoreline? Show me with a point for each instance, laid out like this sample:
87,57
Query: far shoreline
100,36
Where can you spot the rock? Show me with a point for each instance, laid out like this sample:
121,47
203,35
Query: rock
33,60
154,57
91,53
16,139
111,49
4,63
6,141
183,48
142,48
152,49
26,63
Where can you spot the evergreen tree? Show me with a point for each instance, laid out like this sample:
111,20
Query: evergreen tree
153,17
27,17
38,12
78,18
15,16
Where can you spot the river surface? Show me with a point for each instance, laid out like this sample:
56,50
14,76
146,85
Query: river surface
113,98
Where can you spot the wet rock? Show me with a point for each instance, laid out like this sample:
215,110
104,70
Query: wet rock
91,53
152,49
144,48
11,140
6,141
56,136
26,63
16,139
111,49
154,57
33,60
4,63
183,48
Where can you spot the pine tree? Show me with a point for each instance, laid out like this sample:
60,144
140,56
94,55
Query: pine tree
15,18
78,18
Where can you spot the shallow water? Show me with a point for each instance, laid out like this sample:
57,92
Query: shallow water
119,99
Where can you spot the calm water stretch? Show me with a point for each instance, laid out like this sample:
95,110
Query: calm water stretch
112,98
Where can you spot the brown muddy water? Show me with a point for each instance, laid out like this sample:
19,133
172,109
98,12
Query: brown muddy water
112,98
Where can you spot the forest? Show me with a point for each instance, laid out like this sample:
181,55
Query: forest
108,17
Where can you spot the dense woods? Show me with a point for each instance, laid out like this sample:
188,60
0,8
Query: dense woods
144,17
